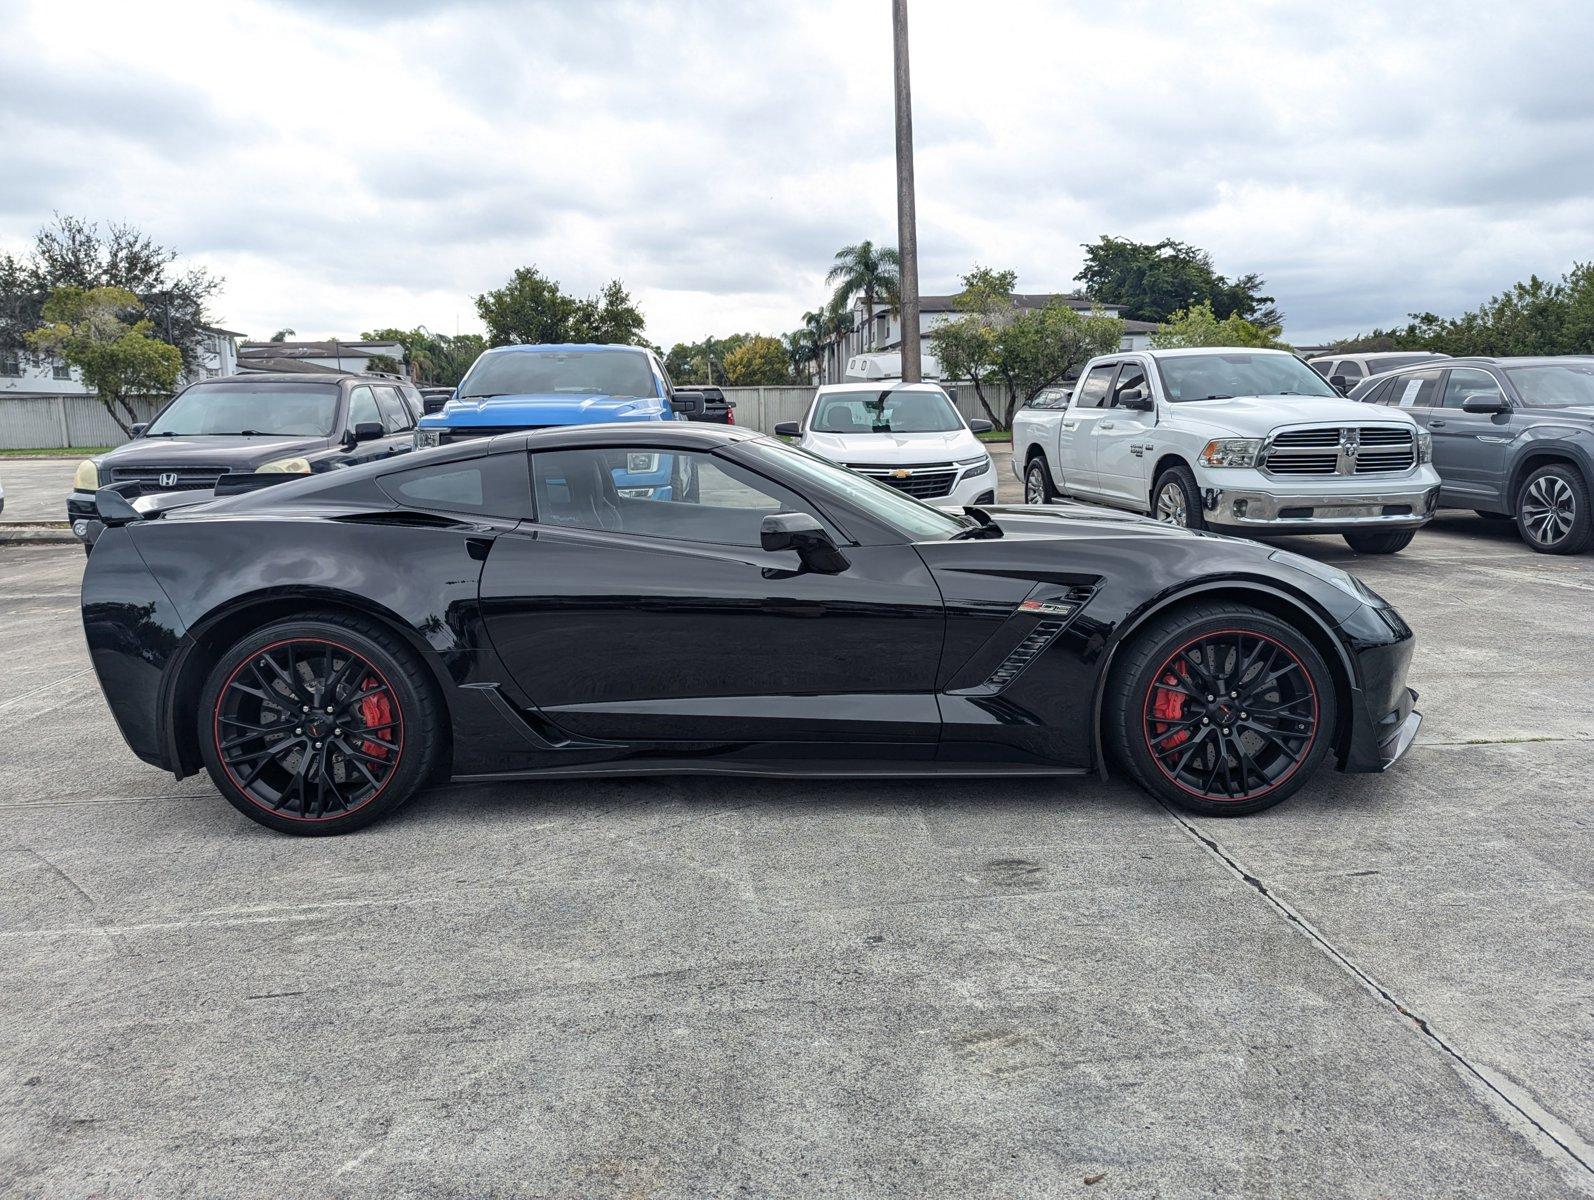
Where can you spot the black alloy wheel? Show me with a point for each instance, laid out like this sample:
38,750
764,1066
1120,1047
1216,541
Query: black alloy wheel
1222,709
1038,488
318,726
1553,511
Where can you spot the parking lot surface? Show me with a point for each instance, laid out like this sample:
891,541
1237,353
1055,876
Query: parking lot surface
689,987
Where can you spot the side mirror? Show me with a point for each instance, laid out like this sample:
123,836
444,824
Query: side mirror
788,429
137,429
1339,383
690,405
113,508
1485,404
434,404
369,431
1135,400
804,534
981,425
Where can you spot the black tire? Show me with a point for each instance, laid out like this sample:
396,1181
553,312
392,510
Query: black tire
1380,541
1552,511
1184,749
1038,487
377,748
1176,500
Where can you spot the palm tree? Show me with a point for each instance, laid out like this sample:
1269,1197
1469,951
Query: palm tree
799,351
816,328
867,271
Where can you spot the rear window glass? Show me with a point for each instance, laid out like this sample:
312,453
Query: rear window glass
495,485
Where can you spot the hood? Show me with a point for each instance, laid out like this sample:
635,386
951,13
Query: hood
233,452
1085,520
556,409
893,449
1257,416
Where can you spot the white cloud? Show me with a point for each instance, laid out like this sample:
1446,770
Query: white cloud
349,165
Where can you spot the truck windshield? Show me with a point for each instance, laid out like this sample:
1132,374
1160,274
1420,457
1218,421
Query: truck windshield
622,373
247,408
879,410
1225,374
1561,385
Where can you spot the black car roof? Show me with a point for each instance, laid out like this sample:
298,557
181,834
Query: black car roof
686,435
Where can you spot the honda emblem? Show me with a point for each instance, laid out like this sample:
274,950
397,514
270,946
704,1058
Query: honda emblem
168,479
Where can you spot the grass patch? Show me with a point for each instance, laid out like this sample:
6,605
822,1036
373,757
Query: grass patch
996,435
57,452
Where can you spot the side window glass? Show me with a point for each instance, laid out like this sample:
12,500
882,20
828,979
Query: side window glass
362,407
493,485
1132,376
1351,370
1378,393
655,493
1093,388
395,416
1417,390
1324,367
1463,384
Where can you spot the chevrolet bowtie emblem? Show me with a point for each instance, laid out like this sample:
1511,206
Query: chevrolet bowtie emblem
901,473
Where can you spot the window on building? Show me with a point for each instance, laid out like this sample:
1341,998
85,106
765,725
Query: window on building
10,364
60,370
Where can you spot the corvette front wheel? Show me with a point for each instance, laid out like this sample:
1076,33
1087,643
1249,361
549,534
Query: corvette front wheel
319,726
1222,709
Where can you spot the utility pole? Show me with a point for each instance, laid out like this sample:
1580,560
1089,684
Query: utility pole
907,222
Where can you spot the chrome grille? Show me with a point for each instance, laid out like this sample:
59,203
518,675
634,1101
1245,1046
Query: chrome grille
176,479
1341,450
924,482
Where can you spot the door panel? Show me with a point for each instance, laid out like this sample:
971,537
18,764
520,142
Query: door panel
1076,456
1470,448
1119,441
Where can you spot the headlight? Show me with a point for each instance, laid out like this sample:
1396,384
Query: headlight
425,438
285,466
1424,447
1231,452
641,464
87,478
976,466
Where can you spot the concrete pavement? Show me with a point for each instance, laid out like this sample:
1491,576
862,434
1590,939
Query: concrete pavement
713,987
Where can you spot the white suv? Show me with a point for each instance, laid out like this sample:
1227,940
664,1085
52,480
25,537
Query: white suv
908,435
1241,440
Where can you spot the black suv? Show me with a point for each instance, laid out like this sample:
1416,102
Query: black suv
295,424
1512,437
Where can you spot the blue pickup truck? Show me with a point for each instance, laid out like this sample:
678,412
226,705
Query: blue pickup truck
514,388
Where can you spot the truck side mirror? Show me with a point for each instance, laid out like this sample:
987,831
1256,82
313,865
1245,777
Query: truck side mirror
804,534
434,404
1339,383
137,429
1135,400
368,431
690,405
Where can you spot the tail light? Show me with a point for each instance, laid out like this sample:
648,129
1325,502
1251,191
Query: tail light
730,415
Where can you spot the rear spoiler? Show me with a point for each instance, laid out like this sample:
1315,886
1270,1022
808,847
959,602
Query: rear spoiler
124,503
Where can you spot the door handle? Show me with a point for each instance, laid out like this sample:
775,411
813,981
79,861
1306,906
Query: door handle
1433,424
1070,424
1103,424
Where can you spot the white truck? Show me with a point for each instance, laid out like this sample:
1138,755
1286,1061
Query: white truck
1243,441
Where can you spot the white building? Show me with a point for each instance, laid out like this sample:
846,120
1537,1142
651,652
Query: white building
330,355
883,335
24,376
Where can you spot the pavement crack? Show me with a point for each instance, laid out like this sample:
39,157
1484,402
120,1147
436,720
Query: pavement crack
1512,1097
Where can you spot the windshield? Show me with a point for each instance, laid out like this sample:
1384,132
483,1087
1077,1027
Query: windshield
267,409
620,373
1225,374
1555,385
908,516
864,411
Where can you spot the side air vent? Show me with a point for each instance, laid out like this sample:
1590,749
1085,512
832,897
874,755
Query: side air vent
1056,612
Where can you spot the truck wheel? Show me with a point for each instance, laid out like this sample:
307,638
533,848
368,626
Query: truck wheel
1552,511
1038,487
1175,500
1380,541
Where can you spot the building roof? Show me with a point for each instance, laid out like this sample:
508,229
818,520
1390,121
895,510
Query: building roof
264,365
327,349
1025,300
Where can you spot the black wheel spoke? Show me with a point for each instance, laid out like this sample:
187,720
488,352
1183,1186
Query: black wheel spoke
282,747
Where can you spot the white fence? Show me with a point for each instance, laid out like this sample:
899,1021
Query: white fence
28,423
31,423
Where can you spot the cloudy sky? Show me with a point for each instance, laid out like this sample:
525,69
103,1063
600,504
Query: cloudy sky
347,164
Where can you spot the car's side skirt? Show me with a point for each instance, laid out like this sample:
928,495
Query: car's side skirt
790,769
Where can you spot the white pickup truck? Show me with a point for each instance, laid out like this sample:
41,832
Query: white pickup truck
1243,441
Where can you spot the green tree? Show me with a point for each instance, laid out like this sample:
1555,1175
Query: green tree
283,335
1154,280
73,252
100,332
1200,326
432,359
609,318
532,309
758,360
385,363
869,272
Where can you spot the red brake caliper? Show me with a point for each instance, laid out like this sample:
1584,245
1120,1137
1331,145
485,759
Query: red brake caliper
1168,705
376,712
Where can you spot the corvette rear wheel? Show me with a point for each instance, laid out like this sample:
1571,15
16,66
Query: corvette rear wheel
318,726
1222,709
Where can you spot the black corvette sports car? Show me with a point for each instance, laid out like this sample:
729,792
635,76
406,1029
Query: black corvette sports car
327,646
